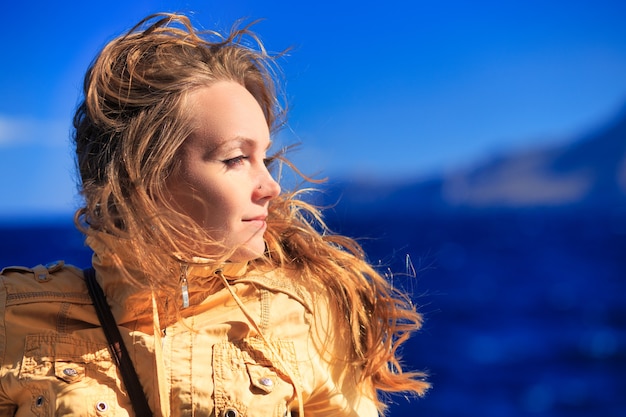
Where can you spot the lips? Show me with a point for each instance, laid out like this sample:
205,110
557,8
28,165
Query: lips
257,222
260,218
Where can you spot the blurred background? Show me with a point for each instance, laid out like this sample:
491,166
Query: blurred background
478,149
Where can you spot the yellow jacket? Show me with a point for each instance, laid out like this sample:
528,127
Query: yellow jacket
245,346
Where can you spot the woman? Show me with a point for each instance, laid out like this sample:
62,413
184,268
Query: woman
231,298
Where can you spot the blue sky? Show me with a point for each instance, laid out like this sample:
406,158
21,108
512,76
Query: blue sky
391,90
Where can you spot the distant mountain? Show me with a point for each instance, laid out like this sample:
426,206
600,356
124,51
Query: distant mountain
589,171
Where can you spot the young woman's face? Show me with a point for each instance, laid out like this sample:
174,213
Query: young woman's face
223,182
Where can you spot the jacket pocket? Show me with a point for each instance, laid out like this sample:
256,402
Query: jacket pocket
249,381
66,375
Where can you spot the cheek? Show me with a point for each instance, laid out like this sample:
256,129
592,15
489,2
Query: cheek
188,195
209,202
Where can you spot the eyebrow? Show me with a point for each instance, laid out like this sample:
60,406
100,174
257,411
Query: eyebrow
240,141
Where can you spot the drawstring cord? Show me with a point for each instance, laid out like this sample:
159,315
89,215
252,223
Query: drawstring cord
256,327
159,340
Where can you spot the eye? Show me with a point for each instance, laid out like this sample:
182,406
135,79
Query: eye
269,161
232,162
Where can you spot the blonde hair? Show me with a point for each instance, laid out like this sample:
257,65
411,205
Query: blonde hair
128,130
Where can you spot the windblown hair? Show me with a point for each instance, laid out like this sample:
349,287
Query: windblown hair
128,130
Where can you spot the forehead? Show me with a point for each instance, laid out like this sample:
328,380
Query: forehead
225,114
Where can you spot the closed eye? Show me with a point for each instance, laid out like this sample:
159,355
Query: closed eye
232,162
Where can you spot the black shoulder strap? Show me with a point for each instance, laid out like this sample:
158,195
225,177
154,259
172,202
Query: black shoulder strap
117,347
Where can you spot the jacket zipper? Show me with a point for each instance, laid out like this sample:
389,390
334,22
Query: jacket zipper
183,285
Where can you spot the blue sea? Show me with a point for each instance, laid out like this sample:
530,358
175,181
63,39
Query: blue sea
525,310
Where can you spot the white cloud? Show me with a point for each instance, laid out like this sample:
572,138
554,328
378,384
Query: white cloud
36,180
37,167
20,131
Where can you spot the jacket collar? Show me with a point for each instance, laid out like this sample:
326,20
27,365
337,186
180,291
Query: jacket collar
107,248
130,302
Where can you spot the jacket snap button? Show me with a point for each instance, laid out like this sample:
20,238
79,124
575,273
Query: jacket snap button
266,382
230,413
54,266
39,401
102,406
70,372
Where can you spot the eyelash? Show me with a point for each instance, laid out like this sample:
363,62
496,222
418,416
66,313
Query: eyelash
235,161
269,161
231,162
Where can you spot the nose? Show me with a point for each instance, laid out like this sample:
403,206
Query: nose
267,187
